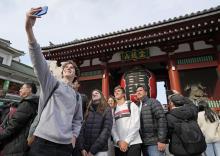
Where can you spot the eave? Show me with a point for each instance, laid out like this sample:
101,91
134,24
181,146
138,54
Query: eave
200,26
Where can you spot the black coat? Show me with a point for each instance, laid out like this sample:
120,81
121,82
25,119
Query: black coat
175,116
153,122
84,103
4,109
96,131
15,133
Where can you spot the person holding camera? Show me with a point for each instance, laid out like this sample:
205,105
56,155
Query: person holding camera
60,120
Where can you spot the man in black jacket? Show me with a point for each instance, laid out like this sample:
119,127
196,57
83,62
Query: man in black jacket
181,109
153,124
15,130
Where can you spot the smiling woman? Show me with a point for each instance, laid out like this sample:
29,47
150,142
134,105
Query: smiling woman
96,130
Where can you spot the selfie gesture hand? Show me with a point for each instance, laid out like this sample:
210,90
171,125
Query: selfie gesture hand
31,18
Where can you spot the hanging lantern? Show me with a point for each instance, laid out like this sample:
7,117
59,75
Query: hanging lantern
138,76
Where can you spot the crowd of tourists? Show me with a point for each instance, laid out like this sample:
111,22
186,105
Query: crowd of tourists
63,122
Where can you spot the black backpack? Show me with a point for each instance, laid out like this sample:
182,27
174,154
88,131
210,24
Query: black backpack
191,136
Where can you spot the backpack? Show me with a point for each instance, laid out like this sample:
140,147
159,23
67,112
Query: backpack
191,136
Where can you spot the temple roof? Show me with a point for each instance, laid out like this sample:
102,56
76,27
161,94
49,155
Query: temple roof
149,25
178,29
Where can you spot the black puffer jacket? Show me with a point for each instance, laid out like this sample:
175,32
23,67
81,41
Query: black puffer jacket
15,133
153,122
175,116
4,109
96,131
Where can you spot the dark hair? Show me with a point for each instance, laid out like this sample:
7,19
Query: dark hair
142,86
77,71
209,113
33,87
119,87
177,99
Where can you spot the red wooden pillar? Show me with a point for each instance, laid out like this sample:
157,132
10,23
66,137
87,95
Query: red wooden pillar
173,76
105,82
217,86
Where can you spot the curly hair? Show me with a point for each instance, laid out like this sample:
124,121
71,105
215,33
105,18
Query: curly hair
74,65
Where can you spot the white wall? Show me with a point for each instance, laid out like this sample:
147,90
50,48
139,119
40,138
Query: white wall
7,58
161,92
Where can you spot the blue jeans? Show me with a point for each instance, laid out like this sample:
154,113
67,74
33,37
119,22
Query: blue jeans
151,150
42,147
213,149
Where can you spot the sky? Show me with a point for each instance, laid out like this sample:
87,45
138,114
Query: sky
68,20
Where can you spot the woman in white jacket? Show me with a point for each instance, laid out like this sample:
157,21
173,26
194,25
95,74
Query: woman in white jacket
209,123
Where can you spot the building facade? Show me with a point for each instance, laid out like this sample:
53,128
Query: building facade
183,52
12,72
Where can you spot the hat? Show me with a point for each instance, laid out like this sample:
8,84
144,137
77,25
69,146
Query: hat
177,99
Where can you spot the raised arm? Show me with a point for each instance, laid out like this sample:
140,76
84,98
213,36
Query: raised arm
41,69
30,21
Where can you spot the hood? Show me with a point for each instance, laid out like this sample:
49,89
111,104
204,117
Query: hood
183,112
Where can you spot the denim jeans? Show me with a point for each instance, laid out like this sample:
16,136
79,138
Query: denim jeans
213,149
42,147
151,150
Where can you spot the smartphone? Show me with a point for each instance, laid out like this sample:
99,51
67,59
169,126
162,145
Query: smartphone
42,12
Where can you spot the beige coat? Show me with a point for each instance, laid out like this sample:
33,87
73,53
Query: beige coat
210,130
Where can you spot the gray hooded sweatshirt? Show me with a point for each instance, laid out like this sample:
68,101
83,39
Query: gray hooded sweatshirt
61,119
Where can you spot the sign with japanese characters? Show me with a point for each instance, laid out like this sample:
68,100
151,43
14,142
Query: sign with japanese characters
135,54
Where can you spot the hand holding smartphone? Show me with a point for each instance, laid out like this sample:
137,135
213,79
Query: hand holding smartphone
43,11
